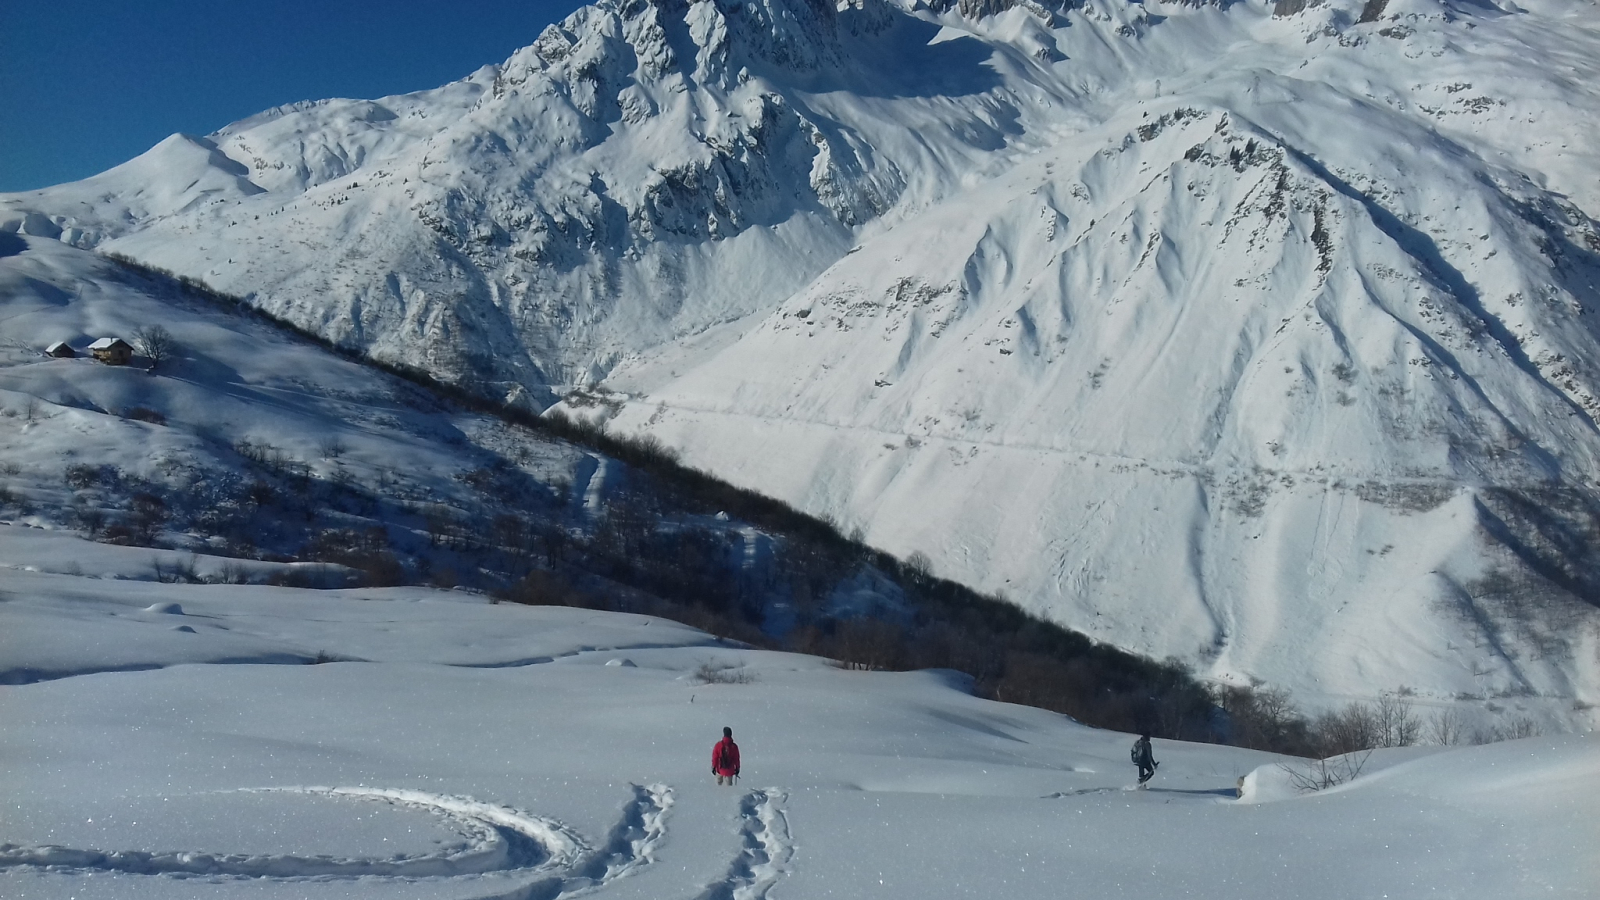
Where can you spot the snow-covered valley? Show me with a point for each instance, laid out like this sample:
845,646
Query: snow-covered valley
1258,335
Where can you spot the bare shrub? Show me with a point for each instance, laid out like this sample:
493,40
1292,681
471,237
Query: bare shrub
230,573
269,457
80,476
1514,730
541,588
144,414
1445,727
1321,774
710,673
366,550
332,447
92,518
176,572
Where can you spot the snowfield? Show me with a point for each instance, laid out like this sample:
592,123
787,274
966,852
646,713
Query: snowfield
479,750
1259,335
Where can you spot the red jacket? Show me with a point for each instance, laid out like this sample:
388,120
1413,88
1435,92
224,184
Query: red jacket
725,757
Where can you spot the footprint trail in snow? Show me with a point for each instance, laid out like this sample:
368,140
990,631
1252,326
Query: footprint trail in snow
767,849
534,858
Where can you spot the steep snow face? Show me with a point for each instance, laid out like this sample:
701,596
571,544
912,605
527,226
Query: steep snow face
1257,366
1234,331
1218,441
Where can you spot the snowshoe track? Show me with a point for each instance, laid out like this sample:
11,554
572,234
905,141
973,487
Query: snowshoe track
502,843
767,849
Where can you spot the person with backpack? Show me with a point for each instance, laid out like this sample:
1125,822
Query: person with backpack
1144,758
725,758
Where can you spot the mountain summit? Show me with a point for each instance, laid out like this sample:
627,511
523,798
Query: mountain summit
1257,334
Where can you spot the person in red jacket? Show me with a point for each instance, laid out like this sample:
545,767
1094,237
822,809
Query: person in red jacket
725,758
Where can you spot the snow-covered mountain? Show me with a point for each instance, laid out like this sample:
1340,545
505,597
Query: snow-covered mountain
1256,334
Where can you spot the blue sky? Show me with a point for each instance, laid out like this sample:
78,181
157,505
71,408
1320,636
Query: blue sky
87,85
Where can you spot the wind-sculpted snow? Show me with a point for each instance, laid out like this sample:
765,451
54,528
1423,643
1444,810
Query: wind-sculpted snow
1221,330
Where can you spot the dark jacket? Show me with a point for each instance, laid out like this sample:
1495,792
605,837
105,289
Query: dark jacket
1142,755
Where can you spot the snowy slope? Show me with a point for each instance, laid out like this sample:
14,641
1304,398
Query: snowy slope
1260,335
568,756
253,445
983,385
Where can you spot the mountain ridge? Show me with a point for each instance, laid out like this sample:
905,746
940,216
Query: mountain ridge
1222,331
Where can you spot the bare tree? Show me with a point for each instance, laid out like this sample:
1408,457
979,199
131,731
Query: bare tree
156,343
1264,719
1355,727
919,566
1515,729
1397,725
1445,727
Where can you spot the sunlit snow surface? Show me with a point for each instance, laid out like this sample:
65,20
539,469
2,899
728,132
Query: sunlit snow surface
1262,341
484,750
1203,331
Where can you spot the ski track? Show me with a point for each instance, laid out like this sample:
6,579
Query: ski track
501,842
767,849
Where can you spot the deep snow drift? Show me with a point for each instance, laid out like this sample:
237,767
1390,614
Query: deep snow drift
1259,335
481,751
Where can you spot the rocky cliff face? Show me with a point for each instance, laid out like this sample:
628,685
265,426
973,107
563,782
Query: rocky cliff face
1238,332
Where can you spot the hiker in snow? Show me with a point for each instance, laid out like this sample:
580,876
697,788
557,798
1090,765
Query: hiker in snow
725,758
1144,758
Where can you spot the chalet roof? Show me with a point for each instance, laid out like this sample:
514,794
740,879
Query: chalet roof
57,346
107,343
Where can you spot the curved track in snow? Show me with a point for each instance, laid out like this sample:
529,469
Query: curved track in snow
544,858
517,855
